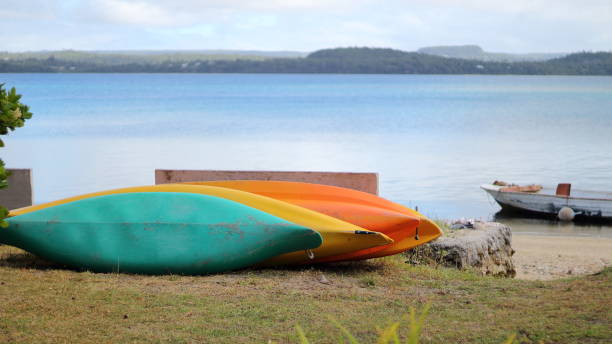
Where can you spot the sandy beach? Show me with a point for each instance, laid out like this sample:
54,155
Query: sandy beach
551,257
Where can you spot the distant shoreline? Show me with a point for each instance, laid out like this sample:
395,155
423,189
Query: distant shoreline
328,61
339,74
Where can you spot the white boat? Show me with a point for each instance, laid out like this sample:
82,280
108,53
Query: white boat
592,205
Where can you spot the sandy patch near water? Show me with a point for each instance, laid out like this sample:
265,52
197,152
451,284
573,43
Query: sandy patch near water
551,257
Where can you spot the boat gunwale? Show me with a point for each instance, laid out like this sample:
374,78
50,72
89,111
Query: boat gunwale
487,187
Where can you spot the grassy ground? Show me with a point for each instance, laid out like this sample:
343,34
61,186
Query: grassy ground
41,303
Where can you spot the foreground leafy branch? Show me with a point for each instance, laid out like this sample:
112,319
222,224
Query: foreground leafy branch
13,114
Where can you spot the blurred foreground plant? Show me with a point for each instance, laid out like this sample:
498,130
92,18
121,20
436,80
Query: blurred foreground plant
391,333
388,335
13,114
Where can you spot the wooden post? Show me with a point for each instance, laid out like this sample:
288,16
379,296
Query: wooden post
18,194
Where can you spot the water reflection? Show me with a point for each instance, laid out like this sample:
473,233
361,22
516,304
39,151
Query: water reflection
551,226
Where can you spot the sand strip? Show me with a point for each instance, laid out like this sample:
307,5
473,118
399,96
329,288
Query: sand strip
549,257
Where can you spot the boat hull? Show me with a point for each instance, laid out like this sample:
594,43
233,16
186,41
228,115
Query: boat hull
549,205
156,233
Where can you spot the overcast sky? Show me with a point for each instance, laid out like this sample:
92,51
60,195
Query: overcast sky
305,25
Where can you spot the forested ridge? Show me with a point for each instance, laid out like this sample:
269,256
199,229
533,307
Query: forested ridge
338,60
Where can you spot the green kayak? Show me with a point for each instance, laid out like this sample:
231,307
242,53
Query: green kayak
156,233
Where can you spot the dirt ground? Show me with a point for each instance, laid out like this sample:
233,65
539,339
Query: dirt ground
551,257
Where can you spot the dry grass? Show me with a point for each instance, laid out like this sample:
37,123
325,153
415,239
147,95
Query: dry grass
41,302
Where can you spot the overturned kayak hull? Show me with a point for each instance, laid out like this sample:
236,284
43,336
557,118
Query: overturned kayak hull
339,237
156,233
405,226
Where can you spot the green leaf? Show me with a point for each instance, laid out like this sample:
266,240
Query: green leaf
345,332
3,214
510,339
416,324
301,335
388,334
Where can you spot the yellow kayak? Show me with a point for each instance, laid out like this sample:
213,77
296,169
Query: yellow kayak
338,236
340,203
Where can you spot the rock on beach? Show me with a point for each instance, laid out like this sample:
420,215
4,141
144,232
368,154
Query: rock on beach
485,247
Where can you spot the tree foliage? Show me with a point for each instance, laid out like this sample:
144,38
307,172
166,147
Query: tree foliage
13,114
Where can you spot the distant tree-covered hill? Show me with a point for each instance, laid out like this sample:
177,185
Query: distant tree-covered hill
475,52
339,60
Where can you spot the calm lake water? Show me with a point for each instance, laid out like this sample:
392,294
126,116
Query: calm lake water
433,139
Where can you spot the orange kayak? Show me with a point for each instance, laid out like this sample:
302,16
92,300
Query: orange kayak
405,226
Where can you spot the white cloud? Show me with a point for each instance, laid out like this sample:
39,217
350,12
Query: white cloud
515,26
201,30
28,10
253,22
135,13
588,10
